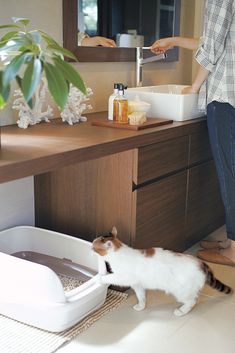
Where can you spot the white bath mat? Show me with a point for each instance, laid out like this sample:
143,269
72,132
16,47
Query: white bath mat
16,337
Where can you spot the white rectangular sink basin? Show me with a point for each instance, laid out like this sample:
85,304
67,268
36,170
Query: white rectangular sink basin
167,101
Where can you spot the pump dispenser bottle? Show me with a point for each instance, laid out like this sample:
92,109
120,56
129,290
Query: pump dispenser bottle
120,107
111,99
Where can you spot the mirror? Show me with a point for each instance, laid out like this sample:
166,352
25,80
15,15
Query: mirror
120,20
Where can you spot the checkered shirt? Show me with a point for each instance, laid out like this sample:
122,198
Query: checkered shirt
216,53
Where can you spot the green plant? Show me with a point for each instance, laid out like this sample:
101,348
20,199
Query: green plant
33,54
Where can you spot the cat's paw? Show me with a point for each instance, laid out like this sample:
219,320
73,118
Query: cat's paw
139,306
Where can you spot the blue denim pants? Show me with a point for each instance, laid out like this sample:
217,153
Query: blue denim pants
221,128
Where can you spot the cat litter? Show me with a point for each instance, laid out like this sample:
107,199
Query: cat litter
32,263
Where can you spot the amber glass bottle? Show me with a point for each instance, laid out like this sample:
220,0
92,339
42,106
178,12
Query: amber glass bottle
120,107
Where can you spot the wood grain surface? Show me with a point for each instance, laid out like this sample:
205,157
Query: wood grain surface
49,146
151,122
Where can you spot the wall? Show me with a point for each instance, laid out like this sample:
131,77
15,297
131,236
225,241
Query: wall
47,15
17,203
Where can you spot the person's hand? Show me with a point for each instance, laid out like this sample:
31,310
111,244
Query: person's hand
189,89
162,45
97,40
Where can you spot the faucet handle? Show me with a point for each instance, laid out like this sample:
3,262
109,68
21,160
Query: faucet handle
139,55
155,57
146,48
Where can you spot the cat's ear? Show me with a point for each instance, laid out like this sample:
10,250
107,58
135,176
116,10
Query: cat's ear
114,231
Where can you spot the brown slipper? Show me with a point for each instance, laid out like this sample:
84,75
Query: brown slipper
215,257
206,244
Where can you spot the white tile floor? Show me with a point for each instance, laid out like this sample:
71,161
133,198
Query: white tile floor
208,328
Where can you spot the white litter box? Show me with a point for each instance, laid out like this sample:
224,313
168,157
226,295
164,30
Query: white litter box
31,290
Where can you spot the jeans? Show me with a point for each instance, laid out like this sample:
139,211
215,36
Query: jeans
221,128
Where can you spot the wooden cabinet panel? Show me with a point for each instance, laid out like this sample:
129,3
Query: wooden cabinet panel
204,206
162,158
199,147
87,198
160,215
175,204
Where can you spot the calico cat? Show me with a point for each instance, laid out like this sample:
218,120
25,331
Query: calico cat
178,274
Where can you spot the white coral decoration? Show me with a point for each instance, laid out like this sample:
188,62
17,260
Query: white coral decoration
28,116
75,106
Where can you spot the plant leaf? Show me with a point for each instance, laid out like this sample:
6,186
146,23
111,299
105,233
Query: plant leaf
4,90
9,46
54,46
9,26
24,21
70,74
2,102
13,68
48,39
62,51
24,38
14,45
35,36
31,79
8,36
19,81
56,84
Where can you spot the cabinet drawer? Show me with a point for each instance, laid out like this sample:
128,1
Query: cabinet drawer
162,158
160,213
205,211
199,147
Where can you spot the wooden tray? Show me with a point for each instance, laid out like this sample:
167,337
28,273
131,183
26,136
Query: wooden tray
151,122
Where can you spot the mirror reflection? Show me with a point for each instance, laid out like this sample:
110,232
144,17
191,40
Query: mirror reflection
129,23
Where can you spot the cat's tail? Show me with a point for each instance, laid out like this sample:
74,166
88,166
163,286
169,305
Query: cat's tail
214,282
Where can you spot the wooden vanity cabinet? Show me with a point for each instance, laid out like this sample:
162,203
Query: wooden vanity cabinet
159,194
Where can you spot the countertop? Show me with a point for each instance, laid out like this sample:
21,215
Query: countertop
48,146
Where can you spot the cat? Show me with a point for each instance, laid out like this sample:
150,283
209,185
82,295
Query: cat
178,274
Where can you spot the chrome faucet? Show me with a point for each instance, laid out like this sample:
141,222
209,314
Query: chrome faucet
140,61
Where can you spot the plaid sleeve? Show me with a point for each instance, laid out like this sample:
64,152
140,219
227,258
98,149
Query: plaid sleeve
218,18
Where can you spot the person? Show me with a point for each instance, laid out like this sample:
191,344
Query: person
215,82
85,40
